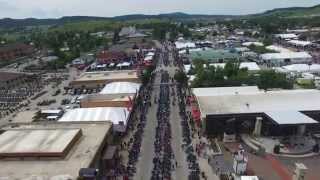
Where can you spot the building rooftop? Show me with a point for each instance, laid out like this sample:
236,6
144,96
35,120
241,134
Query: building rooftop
227,101
213,55
80,155
224,91
251,66
289,117
286,55
13,46
109,114
108,97
121,87
8,76
107,75
37,142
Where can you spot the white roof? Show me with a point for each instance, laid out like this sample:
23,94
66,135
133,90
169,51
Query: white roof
287,36
289,117
101,65
300,43
121,88
249,178
223,91
148,58
150,54
302,68
51,111
187,68
36,141
112,114
242,49
252,43
286,55
182,45
191,50
251,66
278,49
124,64
258,102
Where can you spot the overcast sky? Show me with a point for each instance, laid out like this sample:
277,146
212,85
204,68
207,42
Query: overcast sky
107,8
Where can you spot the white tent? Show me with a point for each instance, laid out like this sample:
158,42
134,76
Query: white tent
121,88
183,45
247,44
148,58
124,64
187,67
112,114
300,43
286,36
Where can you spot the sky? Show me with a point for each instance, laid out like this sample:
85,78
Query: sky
109,8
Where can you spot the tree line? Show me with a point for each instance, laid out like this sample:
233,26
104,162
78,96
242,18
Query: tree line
233,75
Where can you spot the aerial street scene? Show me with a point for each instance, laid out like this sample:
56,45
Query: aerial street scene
160,90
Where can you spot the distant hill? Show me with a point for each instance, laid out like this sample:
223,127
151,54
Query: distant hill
294,12
178,16
11,23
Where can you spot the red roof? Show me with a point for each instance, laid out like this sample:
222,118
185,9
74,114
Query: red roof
111,56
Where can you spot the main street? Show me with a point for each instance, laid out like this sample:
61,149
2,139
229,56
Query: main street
145,163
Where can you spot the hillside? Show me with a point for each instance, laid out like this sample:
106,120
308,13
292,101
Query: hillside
13,23
294,12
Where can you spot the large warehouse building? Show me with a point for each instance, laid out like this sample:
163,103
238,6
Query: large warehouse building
115,94
101,78
51,150
238,109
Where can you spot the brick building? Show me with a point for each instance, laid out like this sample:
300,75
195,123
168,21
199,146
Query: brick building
16,50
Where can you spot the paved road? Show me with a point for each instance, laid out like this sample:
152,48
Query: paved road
145,164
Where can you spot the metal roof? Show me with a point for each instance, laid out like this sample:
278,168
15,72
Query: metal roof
111,114
289,117
121,88
286,55
223,91
224,101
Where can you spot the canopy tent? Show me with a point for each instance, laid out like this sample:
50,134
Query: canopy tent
290,117
124,64
121,88
196,115
148,58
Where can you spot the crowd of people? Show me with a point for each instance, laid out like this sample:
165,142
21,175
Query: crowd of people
187,141
136,140
163,151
